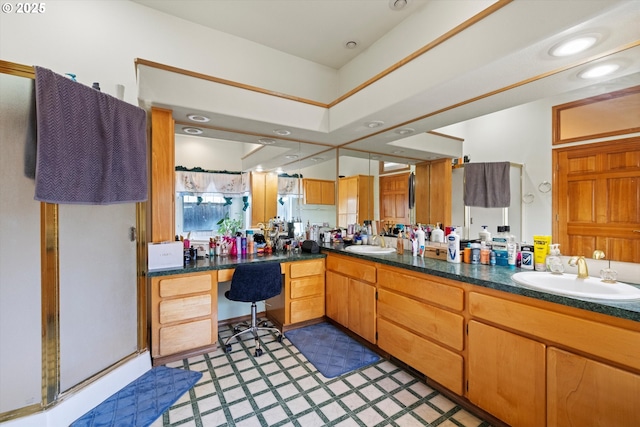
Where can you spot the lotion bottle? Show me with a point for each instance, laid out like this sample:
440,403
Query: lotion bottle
453,250
420,236
437,235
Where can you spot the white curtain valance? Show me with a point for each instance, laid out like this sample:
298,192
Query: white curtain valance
206,182
287,186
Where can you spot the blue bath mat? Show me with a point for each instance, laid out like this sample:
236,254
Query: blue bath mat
331,351
142,401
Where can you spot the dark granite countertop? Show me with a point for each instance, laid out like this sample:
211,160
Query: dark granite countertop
493,277
228,261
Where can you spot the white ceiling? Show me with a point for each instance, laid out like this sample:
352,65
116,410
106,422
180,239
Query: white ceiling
498,62
316,30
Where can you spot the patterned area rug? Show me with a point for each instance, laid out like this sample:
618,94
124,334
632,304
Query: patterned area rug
331,351
142,401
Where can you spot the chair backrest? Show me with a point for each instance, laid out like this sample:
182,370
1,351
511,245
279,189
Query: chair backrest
256,282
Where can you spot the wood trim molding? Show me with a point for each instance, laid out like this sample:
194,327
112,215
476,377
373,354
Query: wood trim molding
426,48
557,110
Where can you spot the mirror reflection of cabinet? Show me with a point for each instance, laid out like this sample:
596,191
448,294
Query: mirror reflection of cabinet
394,198
355,199
264,195
319,192
433,192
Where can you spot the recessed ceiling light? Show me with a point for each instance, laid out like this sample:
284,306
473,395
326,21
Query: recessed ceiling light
599,71
291,156
351,44
398,4
192,131
405,131
267,141
282,132
374,124
198,118
573,46
259,168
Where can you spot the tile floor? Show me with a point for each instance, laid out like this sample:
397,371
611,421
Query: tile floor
281,388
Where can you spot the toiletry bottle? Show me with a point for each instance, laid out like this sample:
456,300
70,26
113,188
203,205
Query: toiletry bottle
499,246
467,254
211,248
437,235
553,261
400,244
512,254
421,241
475,253
485,234
485,253
492,258
526,254
453,250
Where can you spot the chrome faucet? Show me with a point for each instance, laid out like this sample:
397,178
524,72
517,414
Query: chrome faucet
583,270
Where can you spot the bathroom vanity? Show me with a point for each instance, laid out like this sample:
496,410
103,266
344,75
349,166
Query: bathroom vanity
528,358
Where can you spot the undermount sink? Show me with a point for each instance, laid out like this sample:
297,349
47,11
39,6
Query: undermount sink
369,250
571,285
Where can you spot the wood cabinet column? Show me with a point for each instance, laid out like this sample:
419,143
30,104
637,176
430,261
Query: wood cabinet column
162,179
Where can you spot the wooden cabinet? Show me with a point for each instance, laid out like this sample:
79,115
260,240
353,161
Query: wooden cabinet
586,364
507,375
394,198
351,295
355,199
303,295
183,315
264,195
336,303
583,392
420,322
433,192
319,192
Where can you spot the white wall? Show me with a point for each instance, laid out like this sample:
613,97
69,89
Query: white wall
99,40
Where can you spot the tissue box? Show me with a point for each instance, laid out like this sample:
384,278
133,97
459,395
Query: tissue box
165,255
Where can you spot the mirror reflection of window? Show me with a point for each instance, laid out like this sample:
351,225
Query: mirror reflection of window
288,206
201,212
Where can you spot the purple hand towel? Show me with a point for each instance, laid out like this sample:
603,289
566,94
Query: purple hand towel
487,185
92,147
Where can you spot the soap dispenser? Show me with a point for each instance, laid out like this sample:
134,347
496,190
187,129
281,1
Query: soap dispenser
554,263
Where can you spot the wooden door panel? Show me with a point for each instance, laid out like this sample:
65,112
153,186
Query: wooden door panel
623,161
596,202
581,204
581,164
624,208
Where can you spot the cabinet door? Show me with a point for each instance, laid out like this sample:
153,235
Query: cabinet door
582,392
328,193
312,192
336,294
362,309
507,375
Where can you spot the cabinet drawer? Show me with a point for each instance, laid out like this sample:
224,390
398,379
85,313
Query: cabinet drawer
307,309
187,336
358,269
306,268
426,320
423,288
307,286
594,337
184,285
177,309
439,364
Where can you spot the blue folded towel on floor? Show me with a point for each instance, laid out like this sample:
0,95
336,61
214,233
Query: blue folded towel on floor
142,401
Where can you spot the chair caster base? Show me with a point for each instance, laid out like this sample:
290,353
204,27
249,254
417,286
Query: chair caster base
258,352
280,338
227,348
